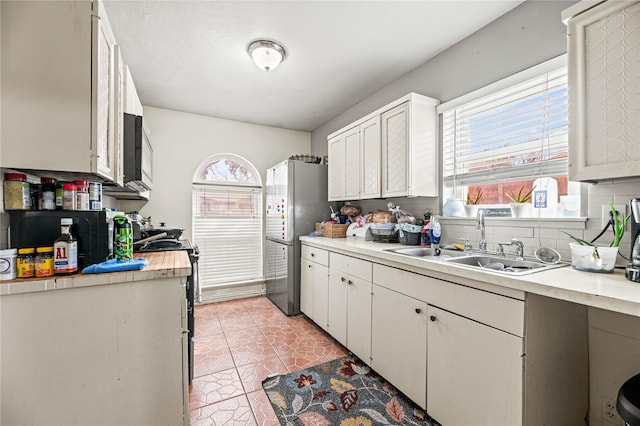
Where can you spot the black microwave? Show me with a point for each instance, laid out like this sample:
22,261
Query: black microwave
138,154
31,228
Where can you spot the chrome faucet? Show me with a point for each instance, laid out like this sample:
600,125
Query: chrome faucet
514,242
483,242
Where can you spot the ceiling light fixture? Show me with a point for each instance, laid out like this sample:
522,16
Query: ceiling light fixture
266,54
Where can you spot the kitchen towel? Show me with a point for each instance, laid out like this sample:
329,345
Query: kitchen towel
115,265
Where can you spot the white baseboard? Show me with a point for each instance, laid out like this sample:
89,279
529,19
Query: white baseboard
220,294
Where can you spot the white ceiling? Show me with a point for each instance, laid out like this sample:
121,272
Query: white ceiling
191,55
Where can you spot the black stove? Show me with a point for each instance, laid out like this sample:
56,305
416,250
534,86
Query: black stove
169,244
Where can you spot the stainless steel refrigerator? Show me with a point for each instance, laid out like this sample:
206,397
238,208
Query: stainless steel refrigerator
296,198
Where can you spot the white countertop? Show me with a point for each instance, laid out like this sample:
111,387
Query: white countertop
607,291
165,264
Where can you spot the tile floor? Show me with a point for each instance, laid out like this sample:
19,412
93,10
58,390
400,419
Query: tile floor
237,345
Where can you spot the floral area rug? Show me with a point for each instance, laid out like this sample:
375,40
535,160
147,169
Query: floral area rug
343,392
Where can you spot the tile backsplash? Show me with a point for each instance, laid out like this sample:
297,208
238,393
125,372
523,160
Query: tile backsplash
545,232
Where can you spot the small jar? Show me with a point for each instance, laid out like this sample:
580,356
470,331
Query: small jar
17,192
26,263
69,192
48,193
44,261
59,195
82,194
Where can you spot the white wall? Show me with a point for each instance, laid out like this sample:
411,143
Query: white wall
182,141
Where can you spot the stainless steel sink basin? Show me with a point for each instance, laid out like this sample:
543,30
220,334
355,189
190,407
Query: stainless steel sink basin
427,252
503,265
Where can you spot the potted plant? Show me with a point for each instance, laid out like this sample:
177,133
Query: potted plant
586,256
519,201
471,206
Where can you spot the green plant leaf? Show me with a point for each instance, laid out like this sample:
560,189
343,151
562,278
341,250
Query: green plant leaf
578,240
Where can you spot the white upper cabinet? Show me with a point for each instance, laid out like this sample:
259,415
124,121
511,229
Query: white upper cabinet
344,168
398,152
604,70
59,88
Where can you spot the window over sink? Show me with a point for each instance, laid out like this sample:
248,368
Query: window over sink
509,138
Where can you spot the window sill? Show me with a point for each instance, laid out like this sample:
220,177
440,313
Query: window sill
542,222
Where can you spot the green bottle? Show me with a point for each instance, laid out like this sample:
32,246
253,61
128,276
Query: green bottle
122,238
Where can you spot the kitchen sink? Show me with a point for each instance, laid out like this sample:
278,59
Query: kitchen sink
503,265
499,264
427,252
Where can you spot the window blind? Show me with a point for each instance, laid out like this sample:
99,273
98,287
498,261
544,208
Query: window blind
514,133
227,227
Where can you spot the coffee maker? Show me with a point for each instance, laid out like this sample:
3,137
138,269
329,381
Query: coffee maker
632,271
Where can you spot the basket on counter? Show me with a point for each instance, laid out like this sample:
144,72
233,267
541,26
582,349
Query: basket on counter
332,230
384,232
410,238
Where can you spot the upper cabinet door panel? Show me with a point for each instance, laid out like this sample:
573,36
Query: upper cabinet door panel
336,168
370,158
352,166
395,147
604,71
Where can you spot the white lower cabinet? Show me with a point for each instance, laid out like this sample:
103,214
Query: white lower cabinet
399,342
475,372
468,351
350,303
314,285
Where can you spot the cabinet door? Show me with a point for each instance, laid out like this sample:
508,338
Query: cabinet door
352,165
337,314
603,104
118,117
306,288
399,342
336,149
359,317
103,90
475,372
395,151
321,295
370,159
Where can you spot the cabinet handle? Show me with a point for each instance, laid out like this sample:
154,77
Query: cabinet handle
313,255
432,317
418,310
310,266
343,279
349,282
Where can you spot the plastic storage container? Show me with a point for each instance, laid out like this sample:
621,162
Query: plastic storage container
8,264
44,261
48,193
25,264
17,192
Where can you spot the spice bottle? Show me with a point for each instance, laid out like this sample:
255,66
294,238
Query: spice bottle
69,191
44,261
48,193
17,192
65,249
26,263
59,195
82,194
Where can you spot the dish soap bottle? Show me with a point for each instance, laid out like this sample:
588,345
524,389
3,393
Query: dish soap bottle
435,232
424,232
65,250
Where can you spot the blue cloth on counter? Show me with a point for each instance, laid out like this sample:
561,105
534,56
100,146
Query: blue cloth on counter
115,265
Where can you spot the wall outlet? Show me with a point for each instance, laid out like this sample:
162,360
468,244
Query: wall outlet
620,208
609,412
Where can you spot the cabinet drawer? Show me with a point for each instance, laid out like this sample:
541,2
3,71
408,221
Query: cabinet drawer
501,312
352,266
315,255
